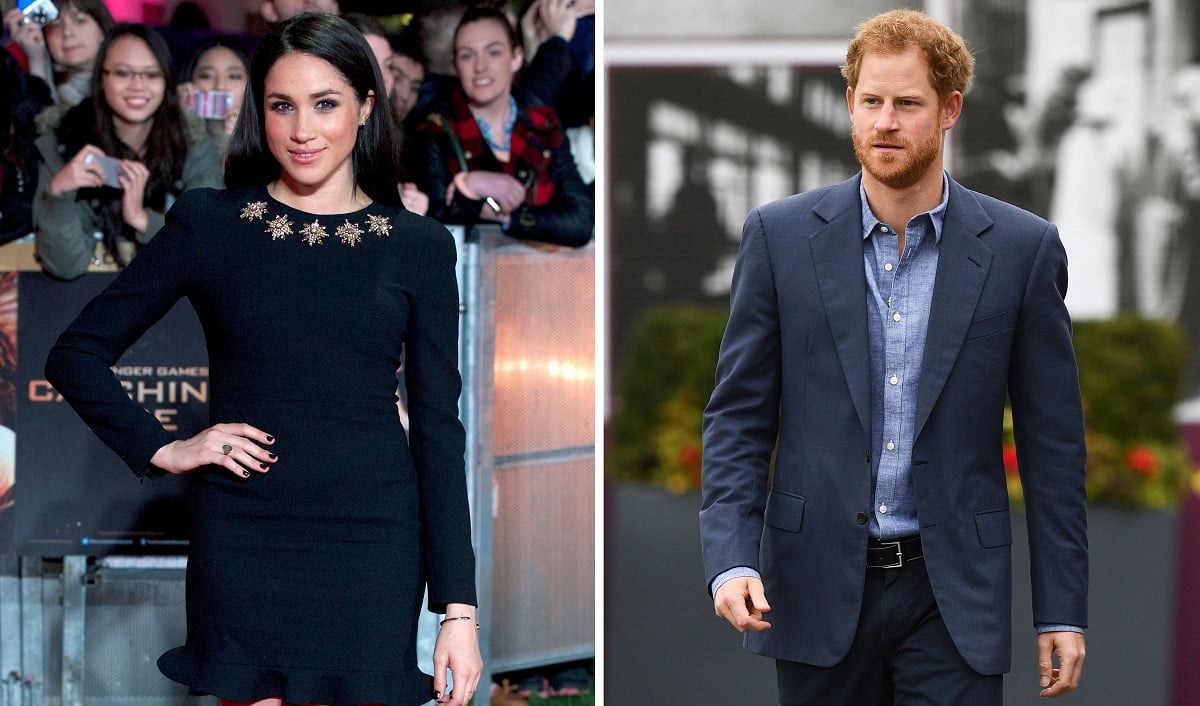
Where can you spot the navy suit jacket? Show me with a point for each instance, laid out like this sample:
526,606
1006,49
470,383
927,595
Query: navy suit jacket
793,381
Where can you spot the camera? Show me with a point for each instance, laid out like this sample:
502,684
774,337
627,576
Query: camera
41,11
211,105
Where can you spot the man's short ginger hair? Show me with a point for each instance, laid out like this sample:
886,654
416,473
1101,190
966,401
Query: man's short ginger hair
950,62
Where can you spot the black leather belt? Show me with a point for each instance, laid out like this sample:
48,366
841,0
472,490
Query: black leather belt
893,554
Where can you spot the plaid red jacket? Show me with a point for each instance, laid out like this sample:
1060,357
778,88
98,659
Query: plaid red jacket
536,134
559,208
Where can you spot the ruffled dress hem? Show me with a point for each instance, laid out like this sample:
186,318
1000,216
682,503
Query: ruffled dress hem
247,683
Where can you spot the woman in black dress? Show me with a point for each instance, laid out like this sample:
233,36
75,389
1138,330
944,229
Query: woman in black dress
316,523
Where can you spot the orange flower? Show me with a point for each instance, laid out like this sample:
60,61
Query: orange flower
1010,458
689,458
1142,461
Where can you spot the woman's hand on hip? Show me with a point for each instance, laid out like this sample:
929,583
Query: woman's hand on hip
235,447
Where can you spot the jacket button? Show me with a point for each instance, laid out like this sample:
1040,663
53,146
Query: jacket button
862,518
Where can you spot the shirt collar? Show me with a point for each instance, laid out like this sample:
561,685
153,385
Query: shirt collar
937,215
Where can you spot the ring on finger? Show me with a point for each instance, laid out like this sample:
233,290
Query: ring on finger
226,449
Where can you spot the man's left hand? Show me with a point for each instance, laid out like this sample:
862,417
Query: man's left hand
1067,647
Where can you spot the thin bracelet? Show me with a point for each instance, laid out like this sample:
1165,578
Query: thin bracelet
458,617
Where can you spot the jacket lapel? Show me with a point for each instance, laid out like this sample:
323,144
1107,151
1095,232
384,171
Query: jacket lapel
837,252
963,264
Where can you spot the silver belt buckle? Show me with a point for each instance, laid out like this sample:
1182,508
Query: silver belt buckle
899,555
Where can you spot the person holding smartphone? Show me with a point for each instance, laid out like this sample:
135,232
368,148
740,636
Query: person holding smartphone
133,118
63,52
214,84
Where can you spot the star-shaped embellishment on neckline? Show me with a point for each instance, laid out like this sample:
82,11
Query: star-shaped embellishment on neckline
279,227
314,233
254,209
350,233
379,225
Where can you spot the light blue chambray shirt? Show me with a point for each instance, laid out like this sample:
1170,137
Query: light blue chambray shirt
899,296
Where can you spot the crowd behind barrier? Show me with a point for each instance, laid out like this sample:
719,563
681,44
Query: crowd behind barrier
103,125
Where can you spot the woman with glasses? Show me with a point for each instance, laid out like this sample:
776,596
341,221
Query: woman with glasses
115,164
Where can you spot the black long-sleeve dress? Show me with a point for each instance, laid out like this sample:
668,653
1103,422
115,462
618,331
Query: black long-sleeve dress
305,582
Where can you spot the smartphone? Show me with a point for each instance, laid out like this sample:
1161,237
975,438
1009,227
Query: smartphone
111,167
41,11
211,105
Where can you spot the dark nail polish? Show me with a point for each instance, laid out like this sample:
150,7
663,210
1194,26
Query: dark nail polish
273,456
263,466
245,474
270,438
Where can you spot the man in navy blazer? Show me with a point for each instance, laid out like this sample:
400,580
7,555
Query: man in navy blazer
853,472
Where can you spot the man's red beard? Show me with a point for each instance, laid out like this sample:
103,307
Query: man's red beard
900,170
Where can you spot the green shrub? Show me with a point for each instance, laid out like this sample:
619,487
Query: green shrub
664,382
1130,374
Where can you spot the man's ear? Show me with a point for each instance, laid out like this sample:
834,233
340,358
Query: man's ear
951,109
268,12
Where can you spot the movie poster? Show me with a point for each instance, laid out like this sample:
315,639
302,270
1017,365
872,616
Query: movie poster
68,493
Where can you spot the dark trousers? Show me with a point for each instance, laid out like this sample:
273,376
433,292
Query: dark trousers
902,654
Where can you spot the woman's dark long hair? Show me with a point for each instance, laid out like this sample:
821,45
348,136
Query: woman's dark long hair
376,154
220,40
166,145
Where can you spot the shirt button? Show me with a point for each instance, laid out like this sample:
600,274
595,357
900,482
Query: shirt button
896,316
862,518
891,446
887,266
884,229
894,380
883,509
